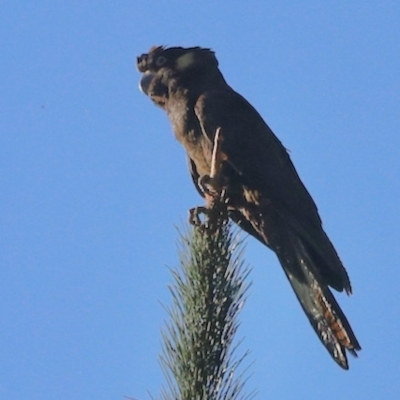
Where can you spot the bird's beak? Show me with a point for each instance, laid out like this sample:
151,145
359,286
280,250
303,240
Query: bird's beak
145,82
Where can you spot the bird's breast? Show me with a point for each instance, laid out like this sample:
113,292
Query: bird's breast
188,133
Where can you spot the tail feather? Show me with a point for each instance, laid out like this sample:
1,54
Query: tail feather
321,308
307,273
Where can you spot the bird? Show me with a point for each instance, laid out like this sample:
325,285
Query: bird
263,192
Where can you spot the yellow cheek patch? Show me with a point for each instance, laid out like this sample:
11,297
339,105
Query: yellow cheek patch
185,61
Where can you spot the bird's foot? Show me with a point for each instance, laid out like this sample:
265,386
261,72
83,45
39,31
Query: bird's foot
206,217
194,215
213,186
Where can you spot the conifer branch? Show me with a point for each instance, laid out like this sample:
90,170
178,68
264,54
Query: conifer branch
208,291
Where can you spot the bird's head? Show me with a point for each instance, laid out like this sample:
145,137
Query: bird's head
167,68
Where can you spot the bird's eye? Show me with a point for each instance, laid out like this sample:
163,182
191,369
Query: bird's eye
160,61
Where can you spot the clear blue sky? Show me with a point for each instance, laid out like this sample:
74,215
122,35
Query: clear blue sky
92,185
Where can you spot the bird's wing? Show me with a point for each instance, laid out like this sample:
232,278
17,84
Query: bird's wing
261,164
280,213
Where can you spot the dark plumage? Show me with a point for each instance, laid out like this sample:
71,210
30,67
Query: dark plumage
264,193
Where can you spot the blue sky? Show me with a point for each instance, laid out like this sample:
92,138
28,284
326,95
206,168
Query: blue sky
93,185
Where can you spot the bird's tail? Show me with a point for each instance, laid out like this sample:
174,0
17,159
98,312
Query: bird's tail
304,270
321,308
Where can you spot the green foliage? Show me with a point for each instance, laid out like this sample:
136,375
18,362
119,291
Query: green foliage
208,291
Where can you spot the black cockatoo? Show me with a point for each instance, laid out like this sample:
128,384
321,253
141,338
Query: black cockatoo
263,192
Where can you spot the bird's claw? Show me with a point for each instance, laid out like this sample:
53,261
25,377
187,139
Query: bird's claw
213,215
194,215
212,186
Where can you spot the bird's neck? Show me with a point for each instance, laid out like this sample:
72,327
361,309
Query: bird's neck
196,83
